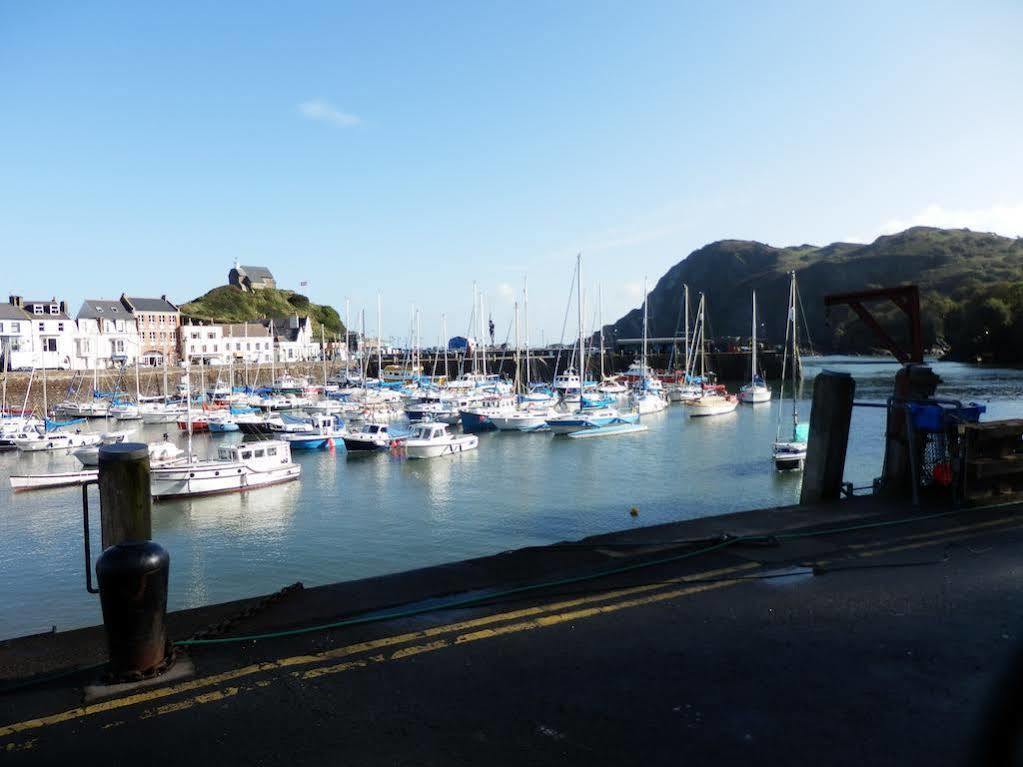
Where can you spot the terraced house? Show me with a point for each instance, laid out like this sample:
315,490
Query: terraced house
37,334
107,335
157,320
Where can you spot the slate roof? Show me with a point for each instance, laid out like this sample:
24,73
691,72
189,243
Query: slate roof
11,312
96,308
151,304
256,273
237,330
46,307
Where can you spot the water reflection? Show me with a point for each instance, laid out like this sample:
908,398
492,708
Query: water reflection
356,516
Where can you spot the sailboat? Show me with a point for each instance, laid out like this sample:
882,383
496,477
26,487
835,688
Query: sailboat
790,454
598,415
648,394
756,390
715,399
609,386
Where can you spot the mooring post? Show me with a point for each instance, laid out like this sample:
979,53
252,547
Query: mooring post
901,454
125,497
132,571
830,417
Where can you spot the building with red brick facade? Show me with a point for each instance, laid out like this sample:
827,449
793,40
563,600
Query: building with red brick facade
157,320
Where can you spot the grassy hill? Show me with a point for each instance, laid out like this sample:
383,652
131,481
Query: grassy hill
971,287
230,304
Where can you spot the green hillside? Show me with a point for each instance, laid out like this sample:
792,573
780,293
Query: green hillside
230,304
971,287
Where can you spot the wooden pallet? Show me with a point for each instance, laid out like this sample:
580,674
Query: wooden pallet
993,467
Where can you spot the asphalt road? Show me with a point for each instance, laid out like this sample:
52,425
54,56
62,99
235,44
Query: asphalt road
886,655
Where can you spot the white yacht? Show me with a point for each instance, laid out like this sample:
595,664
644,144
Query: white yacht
432,440
39,440
372,436
240,467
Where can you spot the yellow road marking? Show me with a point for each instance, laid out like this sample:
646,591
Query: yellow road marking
962,528
340,652
536,617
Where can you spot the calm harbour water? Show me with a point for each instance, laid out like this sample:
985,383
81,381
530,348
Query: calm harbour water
358,516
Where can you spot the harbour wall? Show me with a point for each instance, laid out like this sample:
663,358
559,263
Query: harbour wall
730,367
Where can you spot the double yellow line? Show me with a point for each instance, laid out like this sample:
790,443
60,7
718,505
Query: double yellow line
375,651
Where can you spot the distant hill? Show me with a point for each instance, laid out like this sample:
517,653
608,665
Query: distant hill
231,304
959,273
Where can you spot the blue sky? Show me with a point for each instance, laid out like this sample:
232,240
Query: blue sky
414,147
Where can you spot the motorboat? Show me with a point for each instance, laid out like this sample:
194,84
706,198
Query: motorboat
478,418
162,412
432,440
323,431
39,439
612,387
590,418
372,436
239,467
159,453
94,408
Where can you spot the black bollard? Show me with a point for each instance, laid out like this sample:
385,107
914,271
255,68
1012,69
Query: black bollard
132,579
830,416
132,571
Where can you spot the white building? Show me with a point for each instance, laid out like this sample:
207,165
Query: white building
246,342
15,338
37,334
295,342
107,335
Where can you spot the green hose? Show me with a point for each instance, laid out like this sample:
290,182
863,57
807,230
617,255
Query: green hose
474,600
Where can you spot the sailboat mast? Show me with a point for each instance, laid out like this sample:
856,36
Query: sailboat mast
188,407
45,403
753,370
323,355
518,375
483,337
444,341
643,361
273,355
380,338
348,325
685,308
525,324
579,304
600,322
795,351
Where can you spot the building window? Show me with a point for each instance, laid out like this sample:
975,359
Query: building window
49,344
42,327
211,334
99,310
15,327
37,309
54,309
60,327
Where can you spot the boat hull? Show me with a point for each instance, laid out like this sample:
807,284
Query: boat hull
789,456
192,480
755,396
704,409
451,447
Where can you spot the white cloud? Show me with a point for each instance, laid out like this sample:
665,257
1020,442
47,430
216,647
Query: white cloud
633,290
318,109
1004,219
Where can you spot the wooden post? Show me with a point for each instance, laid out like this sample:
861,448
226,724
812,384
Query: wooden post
911,382
125,495
830,416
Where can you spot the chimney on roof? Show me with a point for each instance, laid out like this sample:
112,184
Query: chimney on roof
17,301
164,297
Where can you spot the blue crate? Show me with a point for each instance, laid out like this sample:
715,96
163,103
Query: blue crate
937,418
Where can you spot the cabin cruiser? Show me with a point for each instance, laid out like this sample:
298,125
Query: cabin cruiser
322,432
613,387
94,408
432,440
40,439
478,418
372,436
244,466
159,452
162,412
